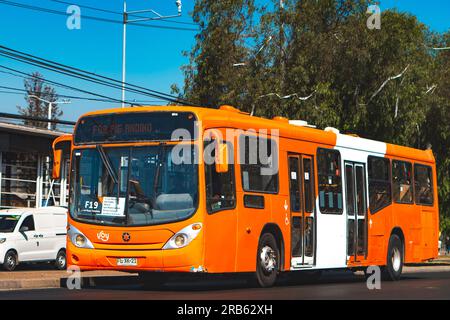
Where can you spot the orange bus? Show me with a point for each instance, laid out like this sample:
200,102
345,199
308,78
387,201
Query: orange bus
162,190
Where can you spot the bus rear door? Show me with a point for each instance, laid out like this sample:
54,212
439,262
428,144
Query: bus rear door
302,204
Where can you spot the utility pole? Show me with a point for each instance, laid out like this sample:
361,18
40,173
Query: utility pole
126,20
49,127
124,50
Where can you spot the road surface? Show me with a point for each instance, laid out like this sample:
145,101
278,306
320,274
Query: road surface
340,285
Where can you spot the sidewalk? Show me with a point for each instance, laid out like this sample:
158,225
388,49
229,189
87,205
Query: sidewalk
442,263
33,279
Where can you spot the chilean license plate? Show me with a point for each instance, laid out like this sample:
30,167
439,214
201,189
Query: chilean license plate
127,261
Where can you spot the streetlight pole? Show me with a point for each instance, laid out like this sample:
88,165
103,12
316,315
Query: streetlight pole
126,14
48,185
124,50
50,107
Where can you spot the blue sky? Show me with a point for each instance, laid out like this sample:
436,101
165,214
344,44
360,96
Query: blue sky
154,56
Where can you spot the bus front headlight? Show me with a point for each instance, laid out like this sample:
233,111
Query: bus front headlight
78,238
183,237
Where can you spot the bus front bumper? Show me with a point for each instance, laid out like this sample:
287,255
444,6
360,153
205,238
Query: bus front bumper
187,259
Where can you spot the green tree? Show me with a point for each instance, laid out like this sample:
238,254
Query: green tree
437,123
36,89
318,61
211,78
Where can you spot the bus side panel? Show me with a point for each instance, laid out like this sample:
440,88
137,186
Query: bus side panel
430,223
250,224
419,225
251,221
377,231
220,241
280,216
220,231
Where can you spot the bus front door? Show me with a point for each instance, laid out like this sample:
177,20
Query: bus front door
302,204
356,201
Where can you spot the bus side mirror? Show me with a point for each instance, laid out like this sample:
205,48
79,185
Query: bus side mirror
57,159
222,158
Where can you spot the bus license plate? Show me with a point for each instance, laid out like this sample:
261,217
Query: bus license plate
127,261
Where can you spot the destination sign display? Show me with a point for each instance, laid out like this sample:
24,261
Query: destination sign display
132,127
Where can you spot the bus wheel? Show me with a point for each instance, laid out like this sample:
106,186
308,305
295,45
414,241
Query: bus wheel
394,266
152,280
267,261
60,262
10,262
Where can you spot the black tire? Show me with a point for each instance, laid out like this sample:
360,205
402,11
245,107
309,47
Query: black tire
267,261
395,257
152,280
10,263
61,261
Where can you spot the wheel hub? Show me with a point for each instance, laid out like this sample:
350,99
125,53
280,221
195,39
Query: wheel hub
268,259
396,259
10,261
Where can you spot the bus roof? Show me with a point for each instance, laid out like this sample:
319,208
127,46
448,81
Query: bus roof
68,137
230,117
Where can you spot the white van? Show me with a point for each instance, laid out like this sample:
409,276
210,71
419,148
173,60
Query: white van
33,235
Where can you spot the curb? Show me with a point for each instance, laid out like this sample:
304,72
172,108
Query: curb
29,284
61,282
98,281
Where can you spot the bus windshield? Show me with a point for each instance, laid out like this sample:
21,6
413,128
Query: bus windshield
8,223
134,186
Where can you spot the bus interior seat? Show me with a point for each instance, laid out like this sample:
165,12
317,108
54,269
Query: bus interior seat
172,206
167,207
174,201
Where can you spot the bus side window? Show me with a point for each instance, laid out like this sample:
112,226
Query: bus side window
257,155
330,181
402,182
380,194
220,187
423,178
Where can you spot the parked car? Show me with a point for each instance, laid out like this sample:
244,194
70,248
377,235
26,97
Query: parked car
33,235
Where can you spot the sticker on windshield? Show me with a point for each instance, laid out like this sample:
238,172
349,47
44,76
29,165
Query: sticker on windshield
112,208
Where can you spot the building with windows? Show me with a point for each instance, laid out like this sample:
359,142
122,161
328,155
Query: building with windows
25,168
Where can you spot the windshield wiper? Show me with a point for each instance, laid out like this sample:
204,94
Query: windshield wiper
107,164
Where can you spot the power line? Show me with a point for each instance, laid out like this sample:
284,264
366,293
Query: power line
55,83
135,101
22,91
36,64
85,75
63,13
120,13
89,76
59,95
82,77
26,76
23,117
